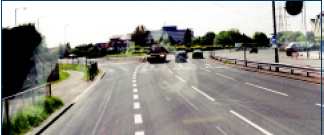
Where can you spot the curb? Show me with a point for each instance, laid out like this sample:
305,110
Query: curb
58,113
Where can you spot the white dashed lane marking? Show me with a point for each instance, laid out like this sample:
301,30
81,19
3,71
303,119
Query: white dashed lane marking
251,123
266,89
138,119
135,90
203,93
139,133
136,105
135,96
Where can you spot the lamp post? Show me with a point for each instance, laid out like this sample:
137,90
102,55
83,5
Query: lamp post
275,33
16,11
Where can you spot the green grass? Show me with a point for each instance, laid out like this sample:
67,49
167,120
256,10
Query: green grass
32,116
75,67
227,62
63,76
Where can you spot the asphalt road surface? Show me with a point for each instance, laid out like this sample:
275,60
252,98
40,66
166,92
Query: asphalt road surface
194,98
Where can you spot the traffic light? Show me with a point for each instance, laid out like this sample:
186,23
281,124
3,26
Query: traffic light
294,7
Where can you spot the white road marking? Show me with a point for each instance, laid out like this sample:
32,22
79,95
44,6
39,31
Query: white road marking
225,76
135,96
138,119
266,89
135,90
206,70
101,113
180,78
134,85
139,133
136,105
251,123
191,104
170,70
203,93
318,104
134,77
134,80
221,130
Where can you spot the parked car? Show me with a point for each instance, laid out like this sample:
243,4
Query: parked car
197,54
157,53
181,57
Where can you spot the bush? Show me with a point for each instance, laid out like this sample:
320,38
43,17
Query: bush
32,116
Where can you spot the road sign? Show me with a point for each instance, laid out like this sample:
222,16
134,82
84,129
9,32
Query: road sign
274,41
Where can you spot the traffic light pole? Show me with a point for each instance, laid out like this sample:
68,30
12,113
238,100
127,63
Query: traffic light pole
275,32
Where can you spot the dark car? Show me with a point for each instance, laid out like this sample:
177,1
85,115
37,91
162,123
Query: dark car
181,57
157,53
197,54
292,48
254,50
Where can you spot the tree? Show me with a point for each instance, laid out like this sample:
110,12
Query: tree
261,39
208,38
188,37
141,36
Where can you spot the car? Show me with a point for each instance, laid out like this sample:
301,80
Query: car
254,50
197,54
292,48
157,53
181,57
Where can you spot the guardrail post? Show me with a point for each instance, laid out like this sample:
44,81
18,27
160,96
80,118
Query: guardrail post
270,68
292,71
307,74
235,61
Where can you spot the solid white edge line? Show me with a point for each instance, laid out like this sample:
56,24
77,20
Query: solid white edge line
138,119
180,78
266,89
203,93
139,133
136,105
264,131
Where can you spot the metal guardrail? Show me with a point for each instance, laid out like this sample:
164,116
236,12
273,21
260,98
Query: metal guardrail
261,65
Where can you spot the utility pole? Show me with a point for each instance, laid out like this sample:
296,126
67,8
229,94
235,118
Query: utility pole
275,33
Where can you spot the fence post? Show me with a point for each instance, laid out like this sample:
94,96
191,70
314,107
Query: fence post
235,61
292,71
270,68
49,87
7,118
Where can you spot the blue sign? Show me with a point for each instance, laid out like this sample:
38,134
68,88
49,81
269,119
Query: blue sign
273,39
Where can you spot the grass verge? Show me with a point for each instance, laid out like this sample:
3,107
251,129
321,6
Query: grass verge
33,115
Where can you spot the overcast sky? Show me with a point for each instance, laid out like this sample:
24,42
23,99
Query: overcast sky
91,22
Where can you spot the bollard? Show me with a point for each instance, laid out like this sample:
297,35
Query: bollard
307,74
291,71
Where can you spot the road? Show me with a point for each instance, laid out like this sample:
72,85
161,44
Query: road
194,98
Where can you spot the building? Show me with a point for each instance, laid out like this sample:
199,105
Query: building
316,25
169,33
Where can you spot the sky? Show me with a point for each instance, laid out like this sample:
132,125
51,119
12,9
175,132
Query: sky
81,22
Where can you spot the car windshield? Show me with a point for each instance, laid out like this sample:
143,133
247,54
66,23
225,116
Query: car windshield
162,67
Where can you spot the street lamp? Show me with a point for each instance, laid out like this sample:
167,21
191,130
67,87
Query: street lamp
16,11
275,33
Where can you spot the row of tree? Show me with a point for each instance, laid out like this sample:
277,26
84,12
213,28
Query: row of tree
230,37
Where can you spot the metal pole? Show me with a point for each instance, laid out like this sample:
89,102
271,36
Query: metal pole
15,16
275,32
245,61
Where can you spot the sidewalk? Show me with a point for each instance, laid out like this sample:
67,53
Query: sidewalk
70,88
